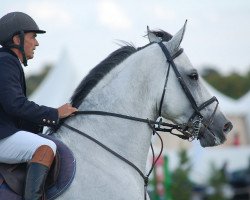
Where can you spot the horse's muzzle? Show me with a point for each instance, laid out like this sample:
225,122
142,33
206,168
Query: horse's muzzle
227,127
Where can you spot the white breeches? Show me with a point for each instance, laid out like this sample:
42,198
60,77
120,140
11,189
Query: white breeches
21,146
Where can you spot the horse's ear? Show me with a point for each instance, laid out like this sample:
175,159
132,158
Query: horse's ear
176,40
152,37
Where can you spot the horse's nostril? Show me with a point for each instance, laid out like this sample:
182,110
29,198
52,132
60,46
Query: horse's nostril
228,127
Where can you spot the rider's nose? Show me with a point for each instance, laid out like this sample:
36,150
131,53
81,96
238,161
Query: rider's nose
227,127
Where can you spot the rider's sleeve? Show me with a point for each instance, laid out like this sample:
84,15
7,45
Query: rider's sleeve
13,100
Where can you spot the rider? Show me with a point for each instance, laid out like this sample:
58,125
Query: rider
19,117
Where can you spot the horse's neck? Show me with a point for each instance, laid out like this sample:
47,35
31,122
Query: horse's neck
129,90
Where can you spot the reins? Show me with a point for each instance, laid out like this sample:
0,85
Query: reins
158,125
145,178
154,125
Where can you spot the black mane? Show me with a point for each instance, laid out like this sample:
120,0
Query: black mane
102,69
97,73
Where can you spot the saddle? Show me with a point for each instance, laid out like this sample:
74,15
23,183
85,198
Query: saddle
61,175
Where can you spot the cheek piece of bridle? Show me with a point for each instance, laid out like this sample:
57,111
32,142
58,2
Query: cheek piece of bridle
190,130
196,124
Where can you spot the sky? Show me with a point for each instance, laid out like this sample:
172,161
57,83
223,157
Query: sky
218,31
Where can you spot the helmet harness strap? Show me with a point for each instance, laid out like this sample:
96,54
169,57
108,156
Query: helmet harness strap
20,47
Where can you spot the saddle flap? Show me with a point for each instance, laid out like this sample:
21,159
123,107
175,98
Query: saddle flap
59,178
14,176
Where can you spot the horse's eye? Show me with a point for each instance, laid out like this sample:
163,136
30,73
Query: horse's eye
194,76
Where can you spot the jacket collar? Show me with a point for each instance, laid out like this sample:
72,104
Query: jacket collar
7,50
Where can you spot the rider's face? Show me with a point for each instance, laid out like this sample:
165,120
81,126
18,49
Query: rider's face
30,43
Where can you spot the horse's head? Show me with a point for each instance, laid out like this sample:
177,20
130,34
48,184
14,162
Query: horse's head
190,105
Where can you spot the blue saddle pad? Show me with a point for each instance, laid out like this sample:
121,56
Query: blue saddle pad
65,175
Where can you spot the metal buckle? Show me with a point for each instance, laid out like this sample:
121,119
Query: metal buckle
159,122
197,127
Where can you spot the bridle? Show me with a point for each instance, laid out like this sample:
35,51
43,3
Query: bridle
194,123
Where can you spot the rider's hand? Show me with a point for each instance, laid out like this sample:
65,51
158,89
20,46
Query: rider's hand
66,110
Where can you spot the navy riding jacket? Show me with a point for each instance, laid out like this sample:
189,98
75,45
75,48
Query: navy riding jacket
16,111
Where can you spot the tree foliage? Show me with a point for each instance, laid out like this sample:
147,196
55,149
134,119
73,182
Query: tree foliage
33,81
181,187
217,181
233,85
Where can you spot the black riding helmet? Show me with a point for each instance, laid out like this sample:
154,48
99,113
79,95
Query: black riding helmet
16,23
